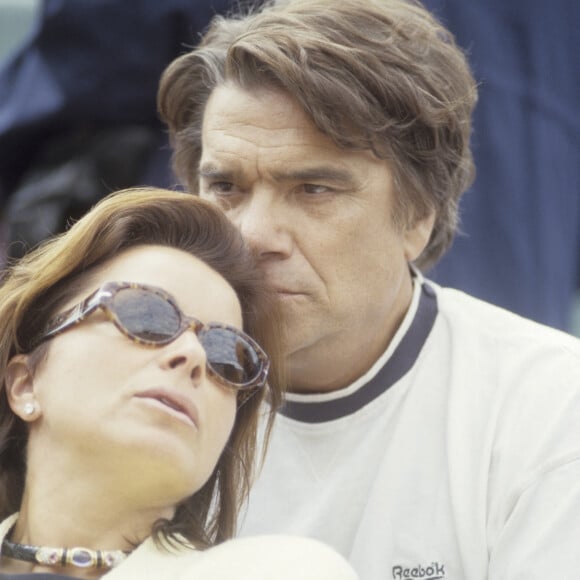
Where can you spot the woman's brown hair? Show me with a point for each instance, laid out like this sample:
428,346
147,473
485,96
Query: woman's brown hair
379,75
34,288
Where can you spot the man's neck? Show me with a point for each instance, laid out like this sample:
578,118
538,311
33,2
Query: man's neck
341,360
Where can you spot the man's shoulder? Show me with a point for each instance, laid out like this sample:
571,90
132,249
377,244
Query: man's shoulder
502,342
464,312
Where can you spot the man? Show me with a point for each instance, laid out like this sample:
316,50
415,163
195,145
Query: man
427,434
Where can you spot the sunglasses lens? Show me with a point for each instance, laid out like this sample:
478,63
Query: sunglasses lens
150,318
230,356
146,316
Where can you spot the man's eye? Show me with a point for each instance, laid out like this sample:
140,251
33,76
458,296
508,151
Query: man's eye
314,189
221,187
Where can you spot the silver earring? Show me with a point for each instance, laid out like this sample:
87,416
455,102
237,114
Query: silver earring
29,408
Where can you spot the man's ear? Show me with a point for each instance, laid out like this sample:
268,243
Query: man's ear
417,236
19,383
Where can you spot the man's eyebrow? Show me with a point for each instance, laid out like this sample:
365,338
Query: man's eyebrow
317,174
322,173
212,172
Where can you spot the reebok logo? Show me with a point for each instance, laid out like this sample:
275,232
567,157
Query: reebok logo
434,571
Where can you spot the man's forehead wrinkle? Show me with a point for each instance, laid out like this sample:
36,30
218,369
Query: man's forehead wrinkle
278,121
243,144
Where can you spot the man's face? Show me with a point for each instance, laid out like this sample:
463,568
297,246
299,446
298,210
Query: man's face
320,220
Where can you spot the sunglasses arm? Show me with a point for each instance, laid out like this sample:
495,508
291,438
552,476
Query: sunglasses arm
74,315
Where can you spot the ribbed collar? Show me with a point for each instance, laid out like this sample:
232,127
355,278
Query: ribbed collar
397,360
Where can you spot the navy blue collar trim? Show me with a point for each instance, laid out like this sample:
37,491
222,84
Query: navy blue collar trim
401,361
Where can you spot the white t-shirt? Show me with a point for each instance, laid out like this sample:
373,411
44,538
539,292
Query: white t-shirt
456,457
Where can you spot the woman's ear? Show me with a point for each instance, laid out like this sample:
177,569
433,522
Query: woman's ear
19,383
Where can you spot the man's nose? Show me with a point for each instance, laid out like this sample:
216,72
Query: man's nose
265,225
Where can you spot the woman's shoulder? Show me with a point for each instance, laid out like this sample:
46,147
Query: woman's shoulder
268,557
271,557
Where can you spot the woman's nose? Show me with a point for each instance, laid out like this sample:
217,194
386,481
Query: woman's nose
187,354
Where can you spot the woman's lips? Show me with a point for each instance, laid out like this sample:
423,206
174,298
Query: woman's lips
177,402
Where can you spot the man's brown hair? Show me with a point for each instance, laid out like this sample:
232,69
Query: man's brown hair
379,75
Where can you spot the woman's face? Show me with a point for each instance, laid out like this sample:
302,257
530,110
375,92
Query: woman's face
108,403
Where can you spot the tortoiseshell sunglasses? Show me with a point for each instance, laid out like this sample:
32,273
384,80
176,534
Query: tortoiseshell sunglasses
150,316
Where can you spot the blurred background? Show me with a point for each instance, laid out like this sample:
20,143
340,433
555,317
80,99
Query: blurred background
15,22
77,119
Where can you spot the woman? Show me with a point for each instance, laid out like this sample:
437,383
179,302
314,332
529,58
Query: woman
130,399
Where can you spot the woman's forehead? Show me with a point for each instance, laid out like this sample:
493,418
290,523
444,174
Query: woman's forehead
198,289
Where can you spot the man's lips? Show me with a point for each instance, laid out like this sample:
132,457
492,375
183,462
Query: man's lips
289,296
174,400
286,291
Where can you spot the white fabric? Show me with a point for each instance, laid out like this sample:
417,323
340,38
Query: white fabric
259,558
466,468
